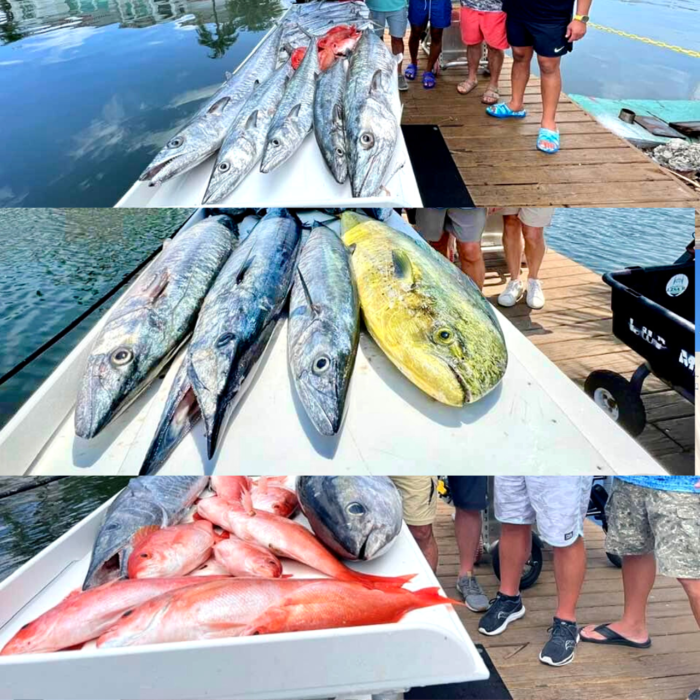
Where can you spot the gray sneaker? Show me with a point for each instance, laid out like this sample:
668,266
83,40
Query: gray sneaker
695,695
403,83
472,594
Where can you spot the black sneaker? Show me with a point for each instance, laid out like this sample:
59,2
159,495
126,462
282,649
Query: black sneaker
561,647
503,610
695,695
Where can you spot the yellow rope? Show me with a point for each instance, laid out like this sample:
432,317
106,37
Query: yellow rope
646,40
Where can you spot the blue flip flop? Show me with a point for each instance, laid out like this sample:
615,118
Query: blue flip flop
548,136
428,80
411,71
503,111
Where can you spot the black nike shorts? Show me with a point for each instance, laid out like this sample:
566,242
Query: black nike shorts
548,39
468,492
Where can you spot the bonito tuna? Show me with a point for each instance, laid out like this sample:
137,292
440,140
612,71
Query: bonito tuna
205,133
245,607
426,315
324,328
150,322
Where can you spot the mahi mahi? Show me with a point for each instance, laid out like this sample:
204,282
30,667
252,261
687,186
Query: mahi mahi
324,328
294,118
150,322
329,120
145,502
426,315
205,132
243,145
357,517
371,127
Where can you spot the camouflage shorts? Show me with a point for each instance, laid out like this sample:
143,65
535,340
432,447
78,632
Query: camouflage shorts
643,520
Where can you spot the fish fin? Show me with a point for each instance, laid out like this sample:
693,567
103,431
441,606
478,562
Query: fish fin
142,533
157,286
294,111
382,582
433,596
244,268
219,106
252,120
376,84
307,293
264,481
337,115
247,502
402,266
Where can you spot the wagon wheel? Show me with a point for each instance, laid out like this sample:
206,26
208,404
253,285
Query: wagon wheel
615,395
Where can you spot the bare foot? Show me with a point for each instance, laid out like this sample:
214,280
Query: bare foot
639,635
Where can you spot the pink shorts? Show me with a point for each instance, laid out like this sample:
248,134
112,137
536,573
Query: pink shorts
483,26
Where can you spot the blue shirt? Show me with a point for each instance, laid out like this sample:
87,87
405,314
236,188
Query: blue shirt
685,484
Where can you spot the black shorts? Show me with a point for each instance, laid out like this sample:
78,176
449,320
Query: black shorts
548,39
468,492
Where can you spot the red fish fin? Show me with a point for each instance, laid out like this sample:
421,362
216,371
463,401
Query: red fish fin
141,534
383,581
433,596
247,501
197,516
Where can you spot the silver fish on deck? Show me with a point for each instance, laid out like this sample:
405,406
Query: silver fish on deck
145,502
357,517
150,322
243,145
205,132
294,118
329,119
371,128
324,328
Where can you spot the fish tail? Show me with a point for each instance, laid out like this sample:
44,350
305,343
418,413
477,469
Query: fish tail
432,596
372,581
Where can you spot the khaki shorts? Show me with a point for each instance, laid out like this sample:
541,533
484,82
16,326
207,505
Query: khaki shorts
643,520
537,217
419,496
466,225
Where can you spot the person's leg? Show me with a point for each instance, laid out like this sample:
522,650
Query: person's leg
534,249
495,59
494,28
424,537
550,86
435,47
414,41
514,549
692,589
398,22
520,75
473,58
569,572
467,532
430,224
471,260
512,244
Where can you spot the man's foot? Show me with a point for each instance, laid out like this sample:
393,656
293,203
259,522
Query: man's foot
503,111
535,295
403,83
411,71
548,141
561,647
466,86
605,634
428,80
512,294
490,96
472,594
503,611
695,695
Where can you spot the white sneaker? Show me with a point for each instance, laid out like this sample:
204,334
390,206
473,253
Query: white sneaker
512,294
535,295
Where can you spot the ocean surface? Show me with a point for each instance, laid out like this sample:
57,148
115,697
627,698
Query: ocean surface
56,263
93,88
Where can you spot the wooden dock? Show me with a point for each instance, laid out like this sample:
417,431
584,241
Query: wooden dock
574,330
501,166
668,670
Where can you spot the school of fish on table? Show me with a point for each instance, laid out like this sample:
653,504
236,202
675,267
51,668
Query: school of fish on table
295,82
182,558
225,292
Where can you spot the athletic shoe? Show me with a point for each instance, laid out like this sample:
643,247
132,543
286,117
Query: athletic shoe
512,294
561,647
472,594
403,83
503,611
695,695
535,295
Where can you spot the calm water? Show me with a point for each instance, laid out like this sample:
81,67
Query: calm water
92,88
611,239
55,264
31,520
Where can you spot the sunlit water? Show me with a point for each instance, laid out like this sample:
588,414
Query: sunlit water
31,520
55,264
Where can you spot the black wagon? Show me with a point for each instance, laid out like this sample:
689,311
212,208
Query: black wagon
653,314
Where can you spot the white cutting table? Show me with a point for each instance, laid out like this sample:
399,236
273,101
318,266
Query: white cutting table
536,421
427,647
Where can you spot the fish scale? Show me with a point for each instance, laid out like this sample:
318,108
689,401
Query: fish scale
329,120
324,329
150,322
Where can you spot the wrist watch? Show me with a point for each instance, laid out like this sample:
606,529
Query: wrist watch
582,18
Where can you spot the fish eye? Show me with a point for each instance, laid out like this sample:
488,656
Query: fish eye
355,508
224,339
127,613
223,167
444,336
276,143
121,357
340,151
144,555
367,140
321,364
176,142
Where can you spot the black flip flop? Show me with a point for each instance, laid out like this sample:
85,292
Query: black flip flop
614,639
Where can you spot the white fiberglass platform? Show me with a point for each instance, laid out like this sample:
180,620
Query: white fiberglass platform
537,421
427,647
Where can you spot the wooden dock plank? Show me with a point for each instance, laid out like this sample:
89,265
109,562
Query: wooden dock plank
669,670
